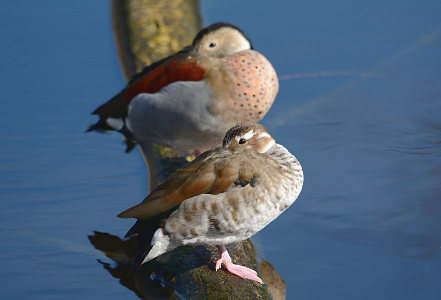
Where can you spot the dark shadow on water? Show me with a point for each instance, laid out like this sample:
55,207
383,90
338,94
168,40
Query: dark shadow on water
186,272
152,280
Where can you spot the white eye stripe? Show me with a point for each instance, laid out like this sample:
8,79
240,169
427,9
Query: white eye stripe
247,135
262,135
267,147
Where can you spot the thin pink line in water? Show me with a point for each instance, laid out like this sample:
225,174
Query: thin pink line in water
328,74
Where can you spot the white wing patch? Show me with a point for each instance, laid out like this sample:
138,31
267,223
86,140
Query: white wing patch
262,135
115,123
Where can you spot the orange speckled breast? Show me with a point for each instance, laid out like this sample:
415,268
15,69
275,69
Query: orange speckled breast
248,84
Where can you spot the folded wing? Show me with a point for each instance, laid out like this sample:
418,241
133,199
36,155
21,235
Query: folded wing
205,175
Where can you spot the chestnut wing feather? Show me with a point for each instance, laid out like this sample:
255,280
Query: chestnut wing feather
205,175
179,67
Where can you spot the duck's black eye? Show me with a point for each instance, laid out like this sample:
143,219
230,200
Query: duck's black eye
242,141
212,45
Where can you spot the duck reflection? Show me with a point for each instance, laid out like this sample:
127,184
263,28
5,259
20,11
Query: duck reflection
158,279
146,281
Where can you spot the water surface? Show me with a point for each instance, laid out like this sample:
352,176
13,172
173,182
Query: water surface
367,224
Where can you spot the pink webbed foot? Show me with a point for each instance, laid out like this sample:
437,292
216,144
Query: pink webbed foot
241,271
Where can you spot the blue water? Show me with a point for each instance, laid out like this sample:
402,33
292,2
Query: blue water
367,224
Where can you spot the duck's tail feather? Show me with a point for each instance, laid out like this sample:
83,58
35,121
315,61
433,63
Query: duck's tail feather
161,244
116,124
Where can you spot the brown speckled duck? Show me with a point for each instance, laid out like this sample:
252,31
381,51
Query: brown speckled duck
225,195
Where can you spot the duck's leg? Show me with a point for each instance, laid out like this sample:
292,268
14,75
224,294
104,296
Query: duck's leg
237,270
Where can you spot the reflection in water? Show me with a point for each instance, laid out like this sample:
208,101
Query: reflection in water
155,279
123,252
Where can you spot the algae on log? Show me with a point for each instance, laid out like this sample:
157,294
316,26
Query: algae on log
146,31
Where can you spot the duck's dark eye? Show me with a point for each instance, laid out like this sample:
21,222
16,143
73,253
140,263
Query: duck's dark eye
242,141
212,45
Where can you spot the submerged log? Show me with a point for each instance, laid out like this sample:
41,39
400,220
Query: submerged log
146,31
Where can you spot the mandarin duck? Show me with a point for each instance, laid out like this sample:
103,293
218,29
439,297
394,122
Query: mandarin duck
189,100
225,195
